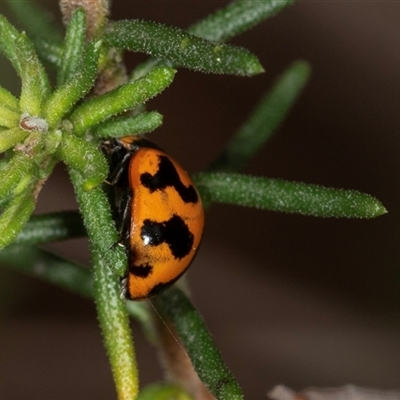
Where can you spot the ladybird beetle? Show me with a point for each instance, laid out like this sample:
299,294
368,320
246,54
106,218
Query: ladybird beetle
159,213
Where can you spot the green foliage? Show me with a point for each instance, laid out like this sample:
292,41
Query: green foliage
100,227
61,101
53,269
114,323
116,101
74,47
35,84
181,48
38,22
7,42
7,100
292,197
143,123
203,353
237,17
265,119
51,227
47,125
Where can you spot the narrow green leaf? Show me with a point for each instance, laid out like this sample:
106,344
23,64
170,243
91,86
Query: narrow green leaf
8,34
163,391
35,83
73,46
8,100
10,137
8,118
22,256
17,169
3,163
196,339
121,99
14,217
51,268
49,51
291,197
52,140
237,17
35,20
114,323
181,48
48,267
264,120
97,12
85,158
142,123
65,97
100,227
51,227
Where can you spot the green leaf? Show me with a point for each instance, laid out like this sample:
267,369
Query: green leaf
14,217
74,46
264,120
51,227
8,100
100,227
162,391
114,323
8,35
49,51
10,137
65,97
49,268
196,339
20,167
121,99
85,158
181,48
237,17
35,20
22,256
291,197
35,83
142,123
8,119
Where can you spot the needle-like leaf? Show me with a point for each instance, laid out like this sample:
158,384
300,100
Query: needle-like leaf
181,48
74,46
121,99
65,97
35,83
292,197
142,123
203,353
237,17
264,121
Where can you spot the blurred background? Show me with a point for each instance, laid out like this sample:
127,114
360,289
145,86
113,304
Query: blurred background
289,299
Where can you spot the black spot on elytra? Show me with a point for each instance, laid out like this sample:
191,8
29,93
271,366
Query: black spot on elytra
141,271
167,175
174,232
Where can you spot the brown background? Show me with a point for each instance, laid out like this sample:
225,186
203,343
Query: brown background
289,299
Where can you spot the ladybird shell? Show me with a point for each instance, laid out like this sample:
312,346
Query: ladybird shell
166,224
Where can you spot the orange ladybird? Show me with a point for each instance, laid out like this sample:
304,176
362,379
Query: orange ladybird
160,211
